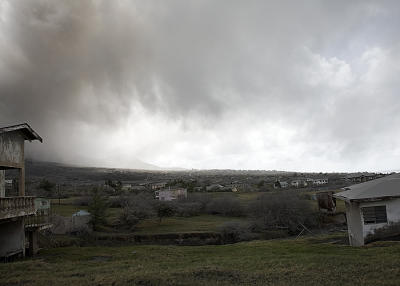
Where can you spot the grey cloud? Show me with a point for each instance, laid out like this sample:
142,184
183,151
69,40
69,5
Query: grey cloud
87,62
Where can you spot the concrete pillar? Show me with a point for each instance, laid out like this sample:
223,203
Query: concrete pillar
33,243
2,183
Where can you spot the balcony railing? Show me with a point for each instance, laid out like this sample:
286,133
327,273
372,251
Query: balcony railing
11,207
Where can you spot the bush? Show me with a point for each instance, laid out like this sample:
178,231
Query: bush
390,231
234,232
226,206
283,210
115,202
136,208
164,209
201,199
187,209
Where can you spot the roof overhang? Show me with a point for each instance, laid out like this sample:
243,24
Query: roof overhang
373,199
24,129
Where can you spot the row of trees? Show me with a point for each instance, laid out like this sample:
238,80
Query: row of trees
271,211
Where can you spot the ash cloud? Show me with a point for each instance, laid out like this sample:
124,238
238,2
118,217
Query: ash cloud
300,85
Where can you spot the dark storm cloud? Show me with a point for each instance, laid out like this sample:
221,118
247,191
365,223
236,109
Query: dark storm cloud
322,69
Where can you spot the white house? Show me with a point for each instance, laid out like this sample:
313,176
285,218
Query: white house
171,194
281,184
298,183
372,209
319,182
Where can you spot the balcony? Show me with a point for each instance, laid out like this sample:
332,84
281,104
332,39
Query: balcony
12,207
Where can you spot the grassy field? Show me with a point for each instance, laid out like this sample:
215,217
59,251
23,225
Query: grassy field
309,261
201,223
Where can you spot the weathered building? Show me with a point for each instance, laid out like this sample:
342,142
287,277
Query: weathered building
171,194
372,209
13,210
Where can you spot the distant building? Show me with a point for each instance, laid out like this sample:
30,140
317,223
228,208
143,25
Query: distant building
372,209
362,177
171,194
157,186
214,187
299,183
318,182
281,185
239,186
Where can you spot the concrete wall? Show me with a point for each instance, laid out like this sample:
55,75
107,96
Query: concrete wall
358,231
12,237
2,184
11,148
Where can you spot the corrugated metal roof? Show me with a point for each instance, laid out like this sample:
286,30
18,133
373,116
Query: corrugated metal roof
385,187
25,129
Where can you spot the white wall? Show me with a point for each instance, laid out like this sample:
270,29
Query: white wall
358,231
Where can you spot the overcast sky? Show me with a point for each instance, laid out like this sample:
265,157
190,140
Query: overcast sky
286,85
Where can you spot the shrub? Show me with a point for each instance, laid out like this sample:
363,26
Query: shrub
164,209
187,209
390,231
226,206
136,208
283,210
234,232
201,199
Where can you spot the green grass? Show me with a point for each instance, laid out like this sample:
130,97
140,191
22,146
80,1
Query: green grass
278,262
202,223
66,210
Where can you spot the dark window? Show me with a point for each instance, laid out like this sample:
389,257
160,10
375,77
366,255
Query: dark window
374,215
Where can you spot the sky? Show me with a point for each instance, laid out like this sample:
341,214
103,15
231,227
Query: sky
274,85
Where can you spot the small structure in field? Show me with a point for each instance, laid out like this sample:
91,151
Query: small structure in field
171,194
372,209
326,202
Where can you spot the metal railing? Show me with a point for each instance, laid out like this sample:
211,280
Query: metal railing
11,207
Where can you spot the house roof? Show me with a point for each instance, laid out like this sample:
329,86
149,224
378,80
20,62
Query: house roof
385,187
24,129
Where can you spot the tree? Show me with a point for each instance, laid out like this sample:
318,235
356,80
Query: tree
285,209
97,208
164,210
136,208
48,187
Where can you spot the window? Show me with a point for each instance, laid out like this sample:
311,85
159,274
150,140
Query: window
373,215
